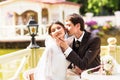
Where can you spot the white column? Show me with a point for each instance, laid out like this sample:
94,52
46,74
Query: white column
39,21
0,16
112,47
117,18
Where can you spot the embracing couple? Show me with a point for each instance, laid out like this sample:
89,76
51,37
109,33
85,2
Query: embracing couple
65,59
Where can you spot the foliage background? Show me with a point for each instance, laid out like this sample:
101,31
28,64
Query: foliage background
98,7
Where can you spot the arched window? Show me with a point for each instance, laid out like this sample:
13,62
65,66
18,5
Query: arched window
26,16
23,18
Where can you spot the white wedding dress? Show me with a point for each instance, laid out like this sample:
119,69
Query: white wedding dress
53,64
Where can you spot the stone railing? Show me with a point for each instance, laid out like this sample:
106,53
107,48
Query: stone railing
20,31
13,65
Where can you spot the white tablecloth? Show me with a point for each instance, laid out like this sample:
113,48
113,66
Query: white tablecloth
98,76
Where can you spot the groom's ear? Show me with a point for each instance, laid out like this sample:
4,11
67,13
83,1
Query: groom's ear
78,25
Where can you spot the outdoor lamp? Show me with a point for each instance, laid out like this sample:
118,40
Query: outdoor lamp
33,30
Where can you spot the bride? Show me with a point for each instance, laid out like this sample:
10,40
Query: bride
53,64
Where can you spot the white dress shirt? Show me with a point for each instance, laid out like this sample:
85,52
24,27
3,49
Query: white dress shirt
69,49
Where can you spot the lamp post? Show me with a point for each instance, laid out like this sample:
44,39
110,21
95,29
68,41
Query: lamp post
33,30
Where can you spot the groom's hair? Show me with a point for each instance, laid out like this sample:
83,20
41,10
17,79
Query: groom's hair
75,19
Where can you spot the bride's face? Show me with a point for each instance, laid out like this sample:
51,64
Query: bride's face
57,31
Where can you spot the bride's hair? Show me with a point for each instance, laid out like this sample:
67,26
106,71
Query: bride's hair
56,22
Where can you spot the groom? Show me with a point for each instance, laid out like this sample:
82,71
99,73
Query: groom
83,50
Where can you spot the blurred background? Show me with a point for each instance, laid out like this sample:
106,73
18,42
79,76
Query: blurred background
101,18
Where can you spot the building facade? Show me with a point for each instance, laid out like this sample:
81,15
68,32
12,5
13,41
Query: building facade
14,15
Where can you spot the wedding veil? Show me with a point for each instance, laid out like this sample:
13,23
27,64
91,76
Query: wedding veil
52,64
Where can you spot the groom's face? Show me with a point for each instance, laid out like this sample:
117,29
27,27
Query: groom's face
70,28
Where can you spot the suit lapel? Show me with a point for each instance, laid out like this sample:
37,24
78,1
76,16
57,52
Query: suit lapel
85,38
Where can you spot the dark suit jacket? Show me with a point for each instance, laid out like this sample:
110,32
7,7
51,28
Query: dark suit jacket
88,55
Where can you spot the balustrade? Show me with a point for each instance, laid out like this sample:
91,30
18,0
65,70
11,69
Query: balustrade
20,31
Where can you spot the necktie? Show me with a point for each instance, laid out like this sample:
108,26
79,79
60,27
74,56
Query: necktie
76,45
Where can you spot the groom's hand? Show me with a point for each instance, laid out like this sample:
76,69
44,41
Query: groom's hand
63,44
77,70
